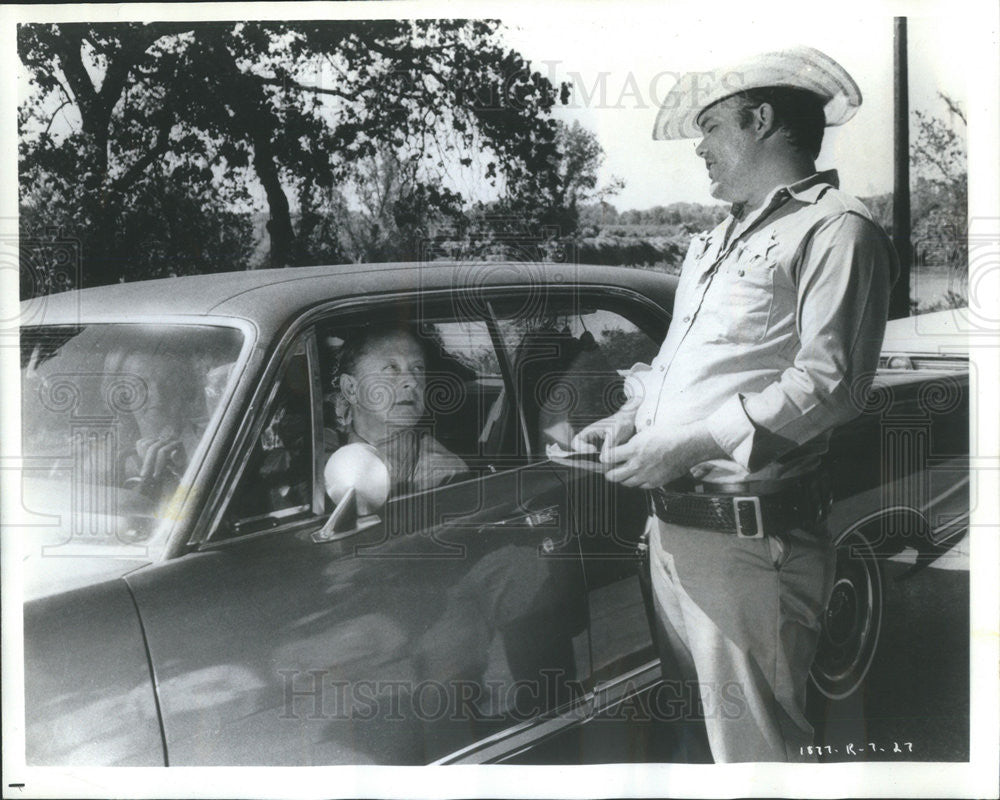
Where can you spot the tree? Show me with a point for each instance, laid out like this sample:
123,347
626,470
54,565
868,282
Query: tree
941,192
556,194
391,215
580,157
294,106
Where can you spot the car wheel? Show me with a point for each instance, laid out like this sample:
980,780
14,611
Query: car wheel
852,621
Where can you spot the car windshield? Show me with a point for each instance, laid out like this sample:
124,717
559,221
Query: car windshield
114,418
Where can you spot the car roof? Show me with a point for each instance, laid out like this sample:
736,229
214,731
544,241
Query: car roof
269,297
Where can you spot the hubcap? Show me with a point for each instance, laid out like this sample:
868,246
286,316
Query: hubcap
851,622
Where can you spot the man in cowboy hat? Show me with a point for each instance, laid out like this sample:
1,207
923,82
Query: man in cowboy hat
776,331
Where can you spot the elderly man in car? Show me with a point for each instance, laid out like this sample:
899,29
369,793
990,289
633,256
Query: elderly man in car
381,379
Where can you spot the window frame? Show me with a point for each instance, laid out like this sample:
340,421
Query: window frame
300,517
206,533
646,315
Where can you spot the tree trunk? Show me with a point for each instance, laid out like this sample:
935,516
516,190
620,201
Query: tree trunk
100,263
251,106
279,225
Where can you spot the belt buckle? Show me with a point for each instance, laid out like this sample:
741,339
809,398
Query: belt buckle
748,526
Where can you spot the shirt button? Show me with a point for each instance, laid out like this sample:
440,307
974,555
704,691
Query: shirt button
649,420
662,368
742,273
686,319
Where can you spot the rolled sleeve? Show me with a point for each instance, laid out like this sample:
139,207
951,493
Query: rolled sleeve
733,430
635,385
844,275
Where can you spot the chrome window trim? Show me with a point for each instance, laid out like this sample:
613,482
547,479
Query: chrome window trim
295,525
615,691
955,487
506,362
239,455
952,529
521,736
318,438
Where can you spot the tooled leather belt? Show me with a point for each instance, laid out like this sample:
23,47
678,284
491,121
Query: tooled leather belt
797,503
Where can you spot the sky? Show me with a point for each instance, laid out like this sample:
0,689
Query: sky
621,64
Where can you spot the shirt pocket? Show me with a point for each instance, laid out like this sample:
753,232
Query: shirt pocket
741,298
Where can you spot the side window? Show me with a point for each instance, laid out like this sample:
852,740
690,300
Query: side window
276,484
569,368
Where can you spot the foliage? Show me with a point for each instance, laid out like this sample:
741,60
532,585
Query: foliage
624,348
690,217
539,216
579,157
392,216
940,196
150,144
183,231
206,109
383,213
663,252
950,299
657,237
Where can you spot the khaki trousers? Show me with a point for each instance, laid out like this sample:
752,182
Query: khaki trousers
742,617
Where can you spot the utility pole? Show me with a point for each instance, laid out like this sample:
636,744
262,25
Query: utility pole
899,304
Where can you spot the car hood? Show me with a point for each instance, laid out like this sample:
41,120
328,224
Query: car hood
939,333
46,575
72,545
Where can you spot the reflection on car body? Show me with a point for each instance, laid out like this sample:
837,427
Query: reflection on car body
196,596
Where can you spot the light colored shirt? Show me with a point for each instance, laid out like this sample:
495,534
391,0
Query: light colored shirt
776,331
416,460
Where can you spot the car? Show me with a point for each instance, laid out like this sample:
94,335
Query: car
219,575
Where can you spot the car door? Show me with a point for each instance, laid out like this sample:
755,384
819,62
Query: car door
450,625
568,363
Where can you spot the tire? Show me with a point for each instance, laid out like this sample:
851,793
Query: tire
852,622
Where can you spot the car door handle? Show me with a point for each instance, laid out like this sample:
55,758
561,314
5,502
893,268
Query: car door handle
543,517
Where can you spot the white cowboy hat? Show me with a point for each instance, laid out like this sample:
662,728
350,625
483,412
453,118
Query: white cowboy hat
797,67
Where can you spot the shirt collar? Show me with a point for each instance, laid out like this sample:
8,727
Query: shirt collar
807,190
810,189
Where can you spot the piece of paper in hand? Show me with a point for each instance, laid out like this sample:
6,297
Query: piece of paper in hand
587,459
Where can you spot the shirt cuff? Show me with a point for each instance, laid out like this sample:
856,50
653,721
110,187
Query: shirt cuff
733,430
635,387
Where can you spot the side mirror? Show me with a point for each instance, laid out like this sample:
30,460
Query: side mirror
345,521
357,480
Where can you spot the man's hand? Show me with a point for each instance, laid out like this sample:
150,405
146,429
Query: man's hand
655,457
158,457
605,433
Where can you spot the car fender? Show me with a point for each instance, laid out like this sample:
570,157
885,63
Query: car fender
89,695
905,518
